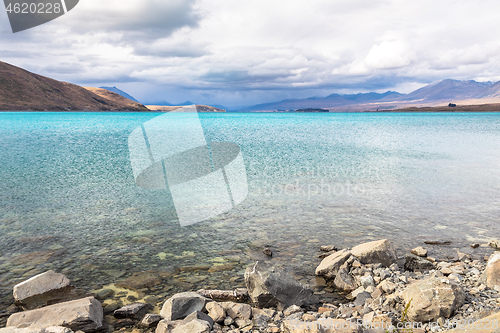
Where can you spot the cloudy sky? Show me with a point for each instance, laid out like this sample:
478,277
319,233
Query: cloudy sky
235,52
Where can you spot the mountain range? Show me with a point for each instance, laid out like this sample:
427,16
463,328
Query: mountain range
21,90
440,93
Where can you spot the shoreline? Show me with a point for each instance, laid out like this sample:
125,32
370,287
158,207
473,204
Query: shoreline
327,293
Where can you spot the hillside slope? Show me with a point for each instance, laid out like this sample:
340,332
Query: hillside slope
21,90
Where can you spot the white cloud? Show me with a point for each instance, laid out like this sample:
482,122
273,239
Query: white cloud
244,52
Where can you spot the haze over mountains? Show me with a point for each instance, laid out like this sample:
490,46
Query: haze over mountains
435,94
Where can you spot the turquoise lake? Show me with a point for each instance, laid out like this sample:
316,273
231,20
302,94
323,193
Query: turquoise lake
69,201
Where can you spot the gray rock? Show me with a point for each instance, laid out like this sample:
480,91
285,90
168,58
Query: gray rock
57,329
414,263
150,320
181,305
84,314
328,248
269,287
419,251
387,286
228,321
330,266
366,281
193,326
344,280
133,311
361,298
41,289
104,293
432,298
376,252
22,330
291,310
167,326
201,316
237,310
216,312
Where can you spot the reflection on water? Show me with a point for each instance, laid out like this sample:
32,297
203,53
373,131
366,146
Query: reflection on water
69,202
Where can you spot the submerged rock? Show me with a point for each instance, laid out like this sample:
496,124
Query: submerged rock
140,280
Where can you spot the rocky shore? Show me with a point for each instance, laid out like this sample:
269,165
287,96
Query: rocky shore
375,289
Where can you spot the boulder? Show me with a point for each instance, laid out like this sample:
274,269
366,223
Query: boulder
133,311
216,312
150,320
201,316
84,314
432,298
167,326
181,305
492,271
41,289
331,264
344,280
269,287
193,326
414,263
240,313
375,252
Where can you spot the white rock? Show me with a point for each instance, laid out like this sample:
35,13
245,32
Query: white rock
181,305
40,284
492,272
375,252
84,314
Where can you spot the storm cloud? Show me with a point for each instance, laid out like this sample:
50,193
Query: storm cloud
249,52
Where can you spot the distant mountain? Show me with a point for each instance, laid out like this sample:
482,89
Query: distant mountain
329,102
120,92
21,90
447,90
439,93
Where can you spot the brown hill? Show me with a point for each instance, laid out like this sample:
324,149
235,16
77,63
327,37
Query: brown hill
21,90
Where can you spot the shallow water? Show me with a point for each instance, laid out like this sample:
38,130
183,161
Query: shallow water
69,202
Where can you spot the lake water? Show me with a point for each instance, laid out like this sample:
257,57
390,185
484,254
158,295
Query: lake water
69,202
